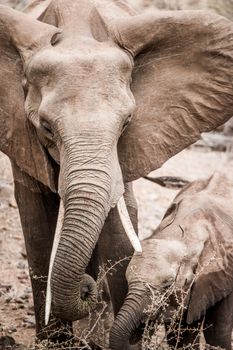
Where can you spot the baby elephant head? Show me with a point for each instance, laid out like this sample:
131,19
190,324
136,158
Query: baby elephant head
185,262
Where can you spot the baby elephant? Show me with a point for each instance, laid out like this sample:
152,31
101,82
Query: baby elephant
186,265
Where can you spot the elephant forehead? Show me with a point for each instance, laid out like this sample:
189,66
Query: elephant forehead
160,257
85,60
154,247
88,80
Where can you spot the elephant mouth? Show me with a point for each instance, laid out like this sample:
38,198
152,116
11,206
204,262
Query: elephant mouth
148,323
137,334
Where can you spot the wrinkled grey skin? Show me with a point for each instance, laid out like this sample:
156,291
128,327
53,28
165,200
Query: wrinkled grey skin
69,85
190,250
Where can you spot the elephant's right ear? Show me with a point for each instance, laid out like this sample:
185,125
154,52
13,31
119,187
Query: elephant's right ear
214,273
20,37
182,83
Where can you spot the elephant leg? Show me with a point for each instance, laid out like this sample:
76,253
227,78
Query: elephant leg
183,336
38,209
116,250
218,323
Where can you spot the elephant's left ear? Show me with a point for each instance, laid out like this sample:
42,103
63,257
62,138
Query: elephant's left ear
214,274
182,83
20,38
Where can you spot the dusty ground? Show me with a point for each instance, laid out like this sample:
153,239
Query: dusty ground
16,311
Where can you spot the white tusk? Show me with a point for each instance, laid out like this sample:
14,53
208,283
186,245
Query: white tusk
56,240
127,224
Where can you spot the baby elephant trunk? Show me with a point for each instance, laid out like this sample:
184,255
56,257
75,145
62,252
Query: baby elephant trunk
126,328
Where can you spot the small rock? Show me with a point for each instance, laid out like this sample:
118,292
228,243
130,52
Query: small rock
13,329
30,312
24,296
29,322
8,299
5,286
19,300
23,277
21,265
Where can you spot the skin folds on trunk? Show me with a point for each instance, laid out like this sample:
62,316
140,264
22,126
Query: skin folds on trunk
73,292
129,318
85,189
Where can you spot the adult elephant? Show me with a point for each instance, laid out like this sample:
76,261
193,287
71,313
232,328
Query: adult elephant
71,82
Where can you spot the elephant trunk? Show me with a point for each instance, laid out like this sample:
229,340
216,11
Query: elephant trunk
126,327
74,292
85,191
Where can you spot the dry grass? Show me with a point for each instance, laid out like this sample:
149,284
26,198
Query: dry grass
92,333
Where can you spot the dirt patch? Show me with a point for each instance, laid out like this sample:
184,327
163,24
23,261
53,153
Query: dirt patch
16,307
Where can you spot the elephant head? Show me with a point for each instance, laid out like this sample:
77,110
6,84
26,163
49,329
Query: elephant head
70,84
187,261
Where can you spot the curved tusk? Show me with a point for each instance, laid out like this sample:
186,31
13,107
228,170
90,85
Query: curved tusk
127,224
56,240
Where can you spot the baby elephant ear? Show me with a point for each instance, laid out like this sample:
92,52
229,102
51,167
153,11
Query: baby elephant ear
214,274
20,37
182,83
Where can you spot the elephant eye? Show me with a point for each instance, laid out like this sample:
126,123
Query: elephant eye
25,86
47,128
56,38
